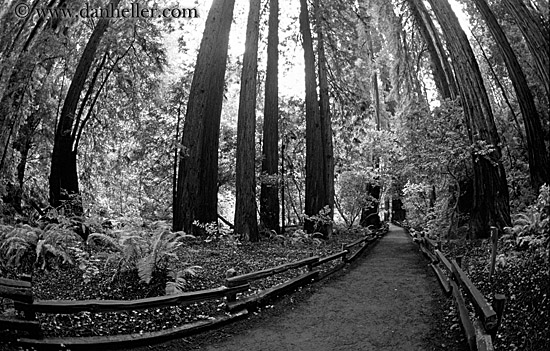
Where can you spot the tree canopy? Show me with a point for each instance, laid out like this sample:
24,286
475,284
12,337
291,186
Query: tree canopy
338,110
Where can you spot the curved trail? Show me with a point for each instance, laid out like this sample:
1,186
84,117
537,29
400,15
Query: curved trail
386,302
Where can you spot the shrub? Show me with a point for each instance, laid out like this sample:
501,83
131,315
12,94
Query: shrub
321,219
26,247
531,230
148,254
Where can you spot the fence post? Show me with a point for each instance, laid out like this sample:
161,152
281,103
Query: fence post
230,273
499,304
310,265
459,261
344,256
29,315
494,239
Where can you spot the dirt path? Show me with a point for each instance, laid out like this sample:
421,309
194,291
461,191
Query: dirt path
388,300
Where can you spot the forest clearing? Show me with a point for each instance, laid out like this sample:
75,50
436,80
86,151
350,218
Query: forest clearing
185,174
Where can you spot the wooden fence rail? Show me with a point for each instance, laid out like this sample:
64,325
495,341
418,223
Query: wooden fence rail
246,278
182,299
481,331
17,290
20,292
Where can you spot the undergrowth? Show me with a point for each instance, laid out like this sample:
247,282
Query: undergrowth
522,274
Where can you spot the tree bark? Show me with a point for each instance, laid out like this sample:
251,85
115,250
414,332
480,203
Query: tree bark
539,167
325,115
536,37
246,223
63,173
374,76
315,163
269,193
491,200
197,195
442,72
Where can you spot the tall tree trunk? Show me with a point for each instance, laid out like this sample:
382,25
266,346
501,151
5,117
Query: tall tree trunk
197,195
539,167
325,115
63,173
536,37
246,222
315,163
374,75
442,72
491,200
269,193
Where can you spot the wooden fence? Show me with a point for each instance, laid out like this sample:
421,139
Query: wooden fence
480,330
20,292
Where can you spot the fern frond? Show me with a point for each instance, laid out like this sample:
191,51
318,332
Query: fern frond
183,235
192,271
38,250
146,266
113,242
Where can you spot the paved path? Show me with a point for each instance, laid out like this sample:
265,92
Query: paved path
386,301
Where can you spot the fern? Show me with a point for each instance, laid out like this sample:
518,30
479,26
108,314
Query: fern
177,286
147,254
24,246
164,248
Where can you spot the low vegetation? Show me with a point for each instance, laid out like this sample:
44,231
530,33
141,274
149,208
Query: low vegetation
522,273
136,259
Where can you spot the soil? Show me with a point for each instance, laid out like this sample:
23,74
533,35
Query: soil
389,299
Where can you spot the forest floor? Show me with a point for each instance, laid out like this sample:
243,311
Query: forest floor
387,300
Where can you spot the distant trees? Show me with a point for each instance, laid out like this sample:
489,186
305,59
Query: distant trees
197,191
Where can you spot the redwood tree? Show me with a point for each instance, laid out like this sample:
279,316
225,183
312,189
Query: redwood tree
539,167
491,200
63,173
536,37
197,191
245,190
315,163
324,113
442,71
269,193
